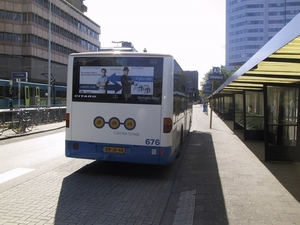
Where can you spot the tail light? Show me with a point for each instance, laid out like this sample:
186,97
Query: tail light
75,146
168,125
67,120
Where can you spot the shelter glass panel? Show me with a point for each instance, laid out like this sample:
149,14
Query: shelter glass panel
227,104
221,108
282,115
239,109
254,101
216,104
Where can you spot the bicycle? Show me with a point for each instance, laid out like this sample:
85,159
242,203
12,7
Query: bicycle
42,116
38,118
55,115
4,126
22,122
51,115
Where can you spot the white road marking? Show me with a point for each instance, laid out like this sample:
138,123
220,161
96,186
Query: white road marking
9,175
185,208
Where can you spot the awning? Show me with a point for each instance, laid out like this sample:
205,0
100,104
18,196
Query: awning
278,61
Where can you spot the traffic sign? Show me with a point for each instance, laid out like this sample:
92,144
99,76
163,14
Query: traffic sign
19,75
216,76
216,70
208,88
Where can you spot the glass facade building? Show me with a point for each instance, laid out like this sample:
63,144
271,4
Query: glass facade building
252,23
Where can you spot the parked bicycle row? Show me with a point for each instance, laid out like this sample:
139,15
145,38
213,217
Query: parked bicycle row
23,120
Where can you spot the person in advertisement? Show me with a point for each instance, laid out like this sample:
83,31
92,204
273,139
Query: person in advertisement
102,82
126,83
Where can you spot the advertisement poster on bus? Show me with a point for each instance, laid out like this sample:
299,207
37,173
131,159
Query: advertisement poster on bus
116,80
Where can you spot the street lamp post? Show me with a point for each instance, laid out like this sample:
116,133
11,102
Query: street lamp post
49,56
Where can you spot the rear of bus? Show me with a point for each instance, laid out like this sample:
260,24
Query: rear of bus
127,120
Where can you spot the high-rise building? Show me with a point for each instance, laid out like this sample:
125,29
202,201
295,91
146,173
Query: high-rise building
25,36
252,23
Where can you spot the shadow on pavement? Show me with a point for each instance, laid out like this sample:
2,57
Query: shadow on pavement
115,193
287,173
130,170
120,193
199,171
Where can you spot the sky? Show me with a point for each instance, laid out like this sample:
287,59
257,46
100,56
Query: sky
193,31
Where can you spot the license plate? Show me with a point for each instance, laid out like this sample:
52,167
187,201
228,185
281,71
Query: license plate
114,150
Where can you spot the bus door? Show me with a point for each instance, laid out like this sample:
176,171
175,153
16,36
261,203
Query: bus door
26,96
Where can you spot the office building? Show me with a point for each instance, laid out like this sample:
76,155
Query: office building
25,36
251,24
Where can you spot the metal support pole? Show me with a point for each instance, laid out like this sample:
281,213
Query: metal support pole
19,92
211,105
49,56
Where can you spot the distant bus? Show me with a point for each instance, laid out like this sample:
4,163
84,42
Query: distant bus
140,112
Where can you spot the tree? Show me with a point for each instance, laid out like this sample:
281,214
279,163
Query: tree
217,84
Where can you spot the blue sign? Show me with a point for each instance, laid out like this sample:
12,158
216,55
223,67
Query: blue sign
216,70
19,75
207,88
216,76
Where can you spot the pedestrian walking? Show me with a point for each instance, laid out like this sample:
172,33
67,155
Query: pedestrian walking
205,107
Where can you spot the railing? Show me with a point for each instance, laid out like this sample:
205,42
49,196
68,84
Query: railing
35,116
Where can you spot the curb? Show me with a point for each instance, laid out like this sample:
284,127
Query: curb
14,135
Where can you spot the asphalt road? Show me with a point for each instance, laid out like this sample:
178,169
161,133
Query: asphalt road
39,185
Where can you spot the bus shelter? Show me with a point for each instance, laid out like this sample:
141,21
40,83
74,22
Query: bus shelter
223,106
265,93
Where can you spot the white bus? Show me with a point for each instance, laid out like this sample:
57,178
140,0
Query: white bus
126,107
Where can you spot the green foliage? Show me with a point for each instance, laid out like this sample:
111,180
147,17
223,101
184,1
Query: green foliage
217,84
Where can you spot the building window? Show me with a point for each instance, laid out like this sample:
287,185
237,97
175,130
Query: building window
7,36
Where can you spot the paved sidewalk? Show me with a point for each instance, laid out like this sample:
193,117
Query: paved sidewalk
229,183
36,129
223,180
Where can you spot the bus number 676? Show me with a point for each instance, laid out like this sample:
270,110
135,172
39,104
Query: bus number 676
152,141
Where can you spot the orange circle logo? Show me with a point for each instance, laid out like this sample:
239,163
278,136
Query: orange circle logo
129,124
114,123
99,122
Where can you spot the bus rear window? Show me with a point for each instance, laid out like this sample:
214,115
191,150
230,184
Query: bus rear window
135,80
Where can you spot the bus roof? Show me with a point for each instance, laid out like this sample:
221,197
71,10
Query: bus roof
120,53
